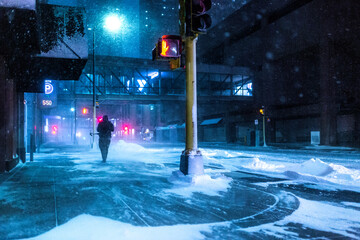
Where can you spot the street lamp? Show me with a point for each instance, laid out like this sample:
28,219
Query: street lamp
262,112
73,129
113,23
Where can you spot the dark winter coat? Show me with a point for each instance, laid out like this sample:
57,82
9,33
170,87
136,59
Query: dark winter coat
105,128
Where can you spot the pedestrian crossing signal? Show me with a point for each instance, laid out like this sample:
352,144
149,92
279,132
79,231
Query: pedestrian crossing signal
168,46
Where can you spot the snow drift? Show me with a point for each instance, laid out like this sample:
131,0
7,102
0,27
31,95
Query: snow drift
205,184
313,170
88,227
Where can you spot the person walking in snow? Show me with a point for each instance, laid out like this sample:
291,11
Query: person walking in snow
105,128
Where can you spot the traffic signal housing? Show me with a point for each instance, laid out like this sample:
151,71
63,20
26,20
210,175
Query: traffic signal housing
54,129
262,111
126,130
167,47
197,19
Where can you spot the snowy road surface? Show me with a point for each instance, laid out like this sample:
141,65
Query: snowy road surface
140,194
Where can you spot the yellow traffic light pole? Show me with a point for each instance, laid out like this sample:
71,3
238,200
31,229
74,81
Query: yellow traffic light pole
262,111
191,100
264,137
191,162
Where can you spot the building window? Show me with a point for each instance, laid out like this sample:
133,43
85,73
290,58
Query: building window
244,90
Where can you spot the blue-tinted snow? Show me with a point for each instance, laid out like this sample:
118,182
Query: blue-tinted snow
327,172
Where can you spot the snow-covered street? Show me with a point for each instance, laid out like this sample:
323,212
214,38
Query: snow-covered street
140,194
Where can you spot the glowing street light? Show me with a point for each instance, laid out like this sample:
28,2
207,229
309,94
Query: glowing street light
113,23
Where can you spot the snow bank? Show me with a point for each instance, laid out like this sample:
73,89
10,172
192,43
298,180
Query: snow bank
351,204
209,185
124,151
212,154
87,227
123,147
315,167
318,171
256,164
313,170
270,164
311,214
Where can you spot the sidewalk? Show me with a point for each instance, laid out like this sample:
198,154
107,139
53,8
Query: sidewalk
56,188
72,195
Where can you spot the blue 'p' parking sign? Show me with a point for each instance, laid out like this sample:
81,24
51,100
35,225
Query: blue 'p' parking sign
49,88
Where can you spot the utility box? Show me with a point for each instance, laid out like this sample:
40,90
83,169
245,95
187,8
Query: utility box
315,137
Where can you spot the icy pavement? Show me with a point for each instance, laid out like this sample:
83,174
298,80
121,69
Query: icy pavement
140,194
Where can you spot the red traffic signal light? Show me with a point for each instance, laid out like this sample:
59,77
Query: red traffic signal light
54,129
126,130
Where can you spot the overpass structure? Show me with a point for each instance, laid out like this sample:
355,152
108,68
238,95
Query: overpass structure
124,79
142,94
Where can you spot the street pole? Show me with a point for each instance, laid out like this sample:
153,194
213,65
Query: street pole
191,100
75,127
191,162
94,93
264,130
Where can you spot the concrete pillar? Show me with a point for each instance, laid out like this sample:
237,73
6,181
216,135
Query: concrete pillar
132,114
133,117
3,153
30,117
357,130
146,116
158,114
230,129
21,151
8,114
328,123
